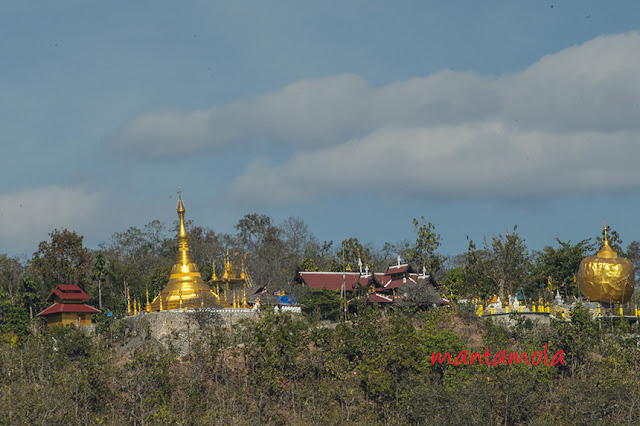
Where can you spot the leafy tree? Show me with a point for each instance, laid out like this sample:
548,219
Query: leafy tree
454,283
253,229
308,265
63,260
476,281
347,256
420,295
13,317
423,251
561,264
633,254
323,303
29,293
10,271
265,249
98,274
502,267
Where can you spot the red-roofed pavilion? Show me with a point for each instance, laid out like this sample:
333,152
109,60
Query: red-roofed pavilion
68,307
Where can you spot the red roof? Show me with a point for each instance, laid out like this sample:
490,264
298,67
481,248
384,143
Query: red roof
68,292
380,298
398,269
333,280
57,308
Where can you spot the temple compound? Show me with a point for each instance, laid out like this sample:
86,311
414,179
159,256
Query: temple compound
68,307
187,289
380,287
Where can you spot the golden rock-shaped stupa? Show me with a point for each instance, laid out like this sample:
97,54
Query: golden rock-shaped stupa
606,277
186,288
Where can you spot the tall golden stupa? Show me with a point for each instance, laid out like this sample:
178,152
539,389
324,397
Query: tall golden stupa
606,277
186,288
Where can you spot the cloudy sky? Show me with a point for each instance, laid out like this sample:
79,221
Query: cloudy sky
356,116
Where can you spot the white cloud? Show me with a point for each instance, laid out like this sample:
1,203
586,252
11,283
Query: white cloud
568,123
27,217
471,161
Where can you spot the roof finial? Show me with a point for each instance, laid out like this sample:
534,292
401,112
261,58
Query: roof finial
179,192
606,240
398,259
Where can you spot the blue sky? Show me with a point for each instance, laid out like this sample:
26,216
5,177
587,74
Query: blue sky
355,116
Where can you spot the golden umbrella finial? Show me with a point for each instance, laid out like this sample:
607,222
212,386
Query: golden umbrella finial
606,250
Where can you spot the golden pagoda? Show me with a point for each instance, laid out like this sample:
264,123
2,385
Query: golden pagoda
231,288
606,277
186,288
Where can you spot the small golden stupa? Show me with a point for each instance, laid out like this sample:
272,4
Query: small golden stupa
186,288
606,277
231,288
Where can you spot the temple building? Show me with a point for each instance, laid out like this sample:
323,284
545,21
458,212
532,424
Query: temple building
186,288
381,287
68,307
231,288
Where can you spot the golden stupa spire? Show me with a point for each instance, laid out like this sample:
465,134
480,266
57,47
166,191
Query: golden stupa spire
184,258
606,250
185,284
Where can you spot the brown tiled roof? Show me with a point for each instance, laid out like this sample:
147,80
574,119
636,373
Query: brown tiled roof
380,298
68,292
399,269
57,308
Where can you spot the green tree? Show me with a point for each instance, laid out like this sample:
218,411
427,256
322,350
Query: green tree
561,264
266,251
13,317
502,267
476,281
423,253
454,283
10,271
29,292
63,260
323,303
308,265
347,256
139,259
633,254
98,274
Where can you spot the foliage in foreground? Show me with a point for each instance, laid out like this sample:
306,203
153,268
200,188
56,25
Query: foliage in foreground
283,369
